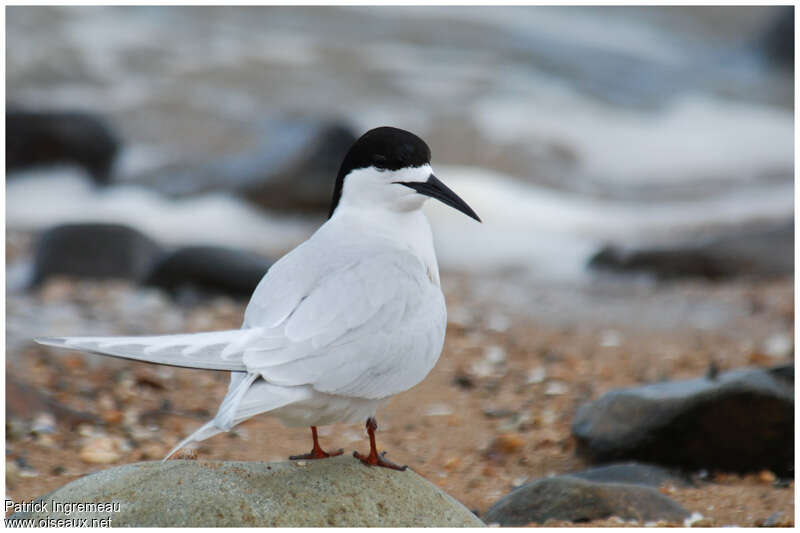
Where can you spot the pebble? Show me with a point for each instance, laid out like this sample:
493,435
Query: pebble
692,519
517,422
547,417
188,453
452,463
28,472
778,519
15,429
556,388
100,450
537,375
44,423
491,412
491,364
106,402
12,474
439,409
779,346
610,338
86,430
482,368
496,355
765,476
45,440
112,416
507,443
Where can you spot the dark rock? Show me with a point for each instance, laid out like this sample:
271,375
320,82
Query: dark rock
339,492
50,137
633,474
209,269
785,373
764,252
777,41
292,167
98,251
741,421
578,500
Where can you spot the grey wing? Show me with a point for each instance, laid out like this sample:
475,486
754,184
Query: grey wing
369,329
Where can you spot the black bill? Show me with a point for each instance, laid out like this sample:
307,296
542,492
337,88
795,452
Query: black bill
436,189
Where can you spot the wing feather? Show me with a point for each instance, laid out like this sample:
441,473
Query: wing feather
370,330
209,350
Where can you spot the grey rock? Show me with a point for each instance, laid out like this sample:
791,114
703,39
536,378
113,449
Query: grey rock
338,491
209,269
98,251
758,252
292,167
42,138
633,473
579,500
740,421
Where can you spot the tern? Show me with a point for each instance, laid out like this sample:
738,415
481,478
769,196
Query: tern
348,319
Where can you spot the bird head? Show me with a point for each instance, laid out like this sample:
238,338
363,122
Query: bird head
391,168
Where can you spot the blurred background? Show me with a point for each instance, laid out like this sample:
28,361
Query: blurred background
633,168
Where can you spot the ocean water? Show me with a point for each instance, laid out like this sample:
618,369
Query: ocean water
564,128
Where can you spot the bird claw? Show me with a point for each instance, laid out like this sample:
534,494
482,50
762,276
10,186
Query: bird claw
316,454
378,460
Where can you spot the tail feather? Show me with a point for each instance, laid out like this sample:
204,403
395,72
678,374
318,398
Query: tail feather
230,404
214,350
247,396
202,433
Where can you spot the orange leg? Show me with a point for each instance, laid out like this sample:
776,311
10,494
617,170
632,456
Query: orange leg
374,458
316,452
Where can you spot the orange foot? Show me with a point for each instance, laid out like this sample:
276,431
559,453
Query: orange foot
316,454
374,459
316,451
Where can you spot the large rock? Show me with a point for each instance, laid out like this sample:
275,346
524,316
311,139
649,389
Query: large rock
212,269
40,138
292,167
633,473
762,252
98,251
742,420
578,500
777,40
332,492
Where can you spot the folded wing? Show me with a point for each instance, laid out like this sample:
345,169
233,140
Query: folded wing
370,329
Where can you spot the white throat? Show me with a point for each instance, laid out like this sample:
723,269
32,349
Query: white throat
374,203
408,230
